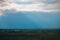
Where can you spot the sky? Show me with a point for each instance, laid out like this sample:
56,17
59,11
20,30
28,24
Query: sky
29,14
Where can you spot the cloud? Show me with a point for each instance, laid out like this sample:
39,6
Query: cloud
37,6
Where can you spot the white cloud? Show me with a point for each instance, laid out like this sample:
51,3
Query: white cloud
11,5
20,1
1,14
36,7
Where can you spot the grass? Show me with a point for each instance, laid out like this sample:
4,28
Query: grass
29,35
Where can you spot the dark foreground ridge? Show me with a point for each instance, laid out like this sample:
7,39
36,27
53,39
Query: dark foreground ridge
10,34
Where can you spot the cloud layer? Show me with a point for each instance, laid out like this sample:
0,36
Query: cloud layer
35,5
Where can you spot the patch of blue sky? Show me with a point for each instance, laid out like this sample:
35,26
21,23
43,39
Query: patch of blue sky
47,2
30,20
51,1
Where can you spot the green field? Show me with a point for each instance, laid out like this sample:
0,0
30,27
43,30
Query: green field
30,35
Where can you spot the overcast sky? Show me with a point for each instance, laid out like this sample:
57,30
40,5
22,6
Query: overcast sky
29,5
